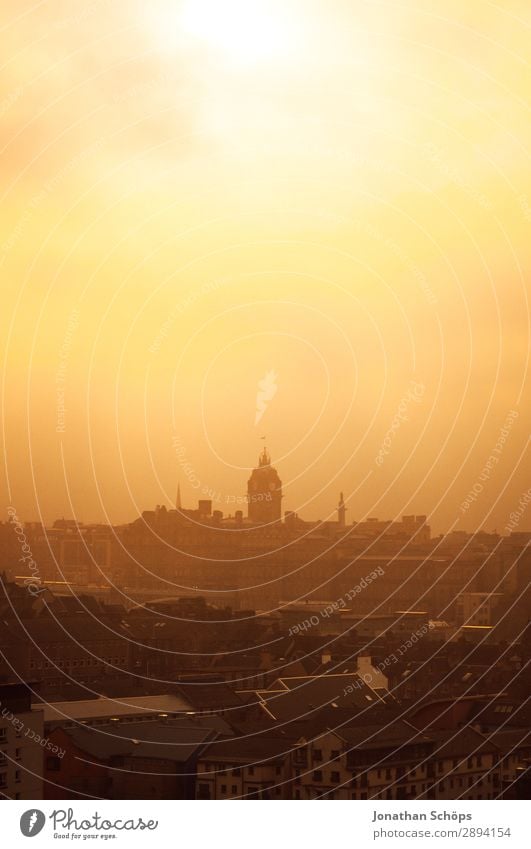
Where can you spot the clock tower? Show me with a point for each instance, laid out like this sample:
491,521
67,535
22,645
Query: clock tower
264,492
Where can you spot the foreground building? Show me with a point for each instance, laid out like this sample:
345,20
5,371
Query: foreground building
22,744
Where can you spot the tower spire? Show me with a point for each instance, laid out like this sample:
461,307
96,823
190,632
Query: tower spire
178,501
264,458
341,510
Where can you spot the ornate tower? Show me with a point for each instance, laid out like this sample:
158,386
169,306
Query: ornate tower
264,492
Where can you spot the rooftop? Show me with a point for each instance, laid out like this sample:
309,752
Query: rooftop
104,708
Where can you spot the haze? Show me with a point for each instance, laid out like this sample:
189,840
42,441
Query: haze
331,197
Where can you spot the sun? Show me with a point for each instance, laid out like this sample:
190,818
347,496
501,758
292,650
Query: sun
241,32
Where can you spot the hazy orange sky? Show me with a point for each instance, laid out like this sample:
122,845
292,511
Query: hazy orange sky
197,194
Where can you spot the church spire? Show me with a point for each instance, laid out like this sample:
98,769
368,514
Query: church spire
341,510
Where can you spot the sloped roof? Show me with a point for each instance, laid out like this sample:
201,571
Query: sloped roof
269,747
209,696
397,733
461,743
305,695
102,708
153,740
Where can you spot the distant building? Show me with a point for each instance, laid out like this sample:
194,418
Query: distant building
409,527
264,492
476,608
475,633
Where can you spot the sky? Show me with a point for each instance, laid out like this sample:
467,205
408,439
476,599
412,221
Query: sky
309,221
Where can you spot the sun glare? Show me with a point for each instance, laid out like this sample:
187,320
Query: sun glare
245,31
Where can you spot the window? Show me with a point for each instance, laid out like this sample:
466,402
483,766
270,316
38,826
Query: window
18,754
300,756
469,763
334,777
334,754
317,755
388,775
53,764
233,789
236,771
250,770
18,779
318,775
224,789
3,733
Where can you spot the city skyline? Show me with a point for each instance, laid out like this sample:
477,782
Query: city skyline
191,488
